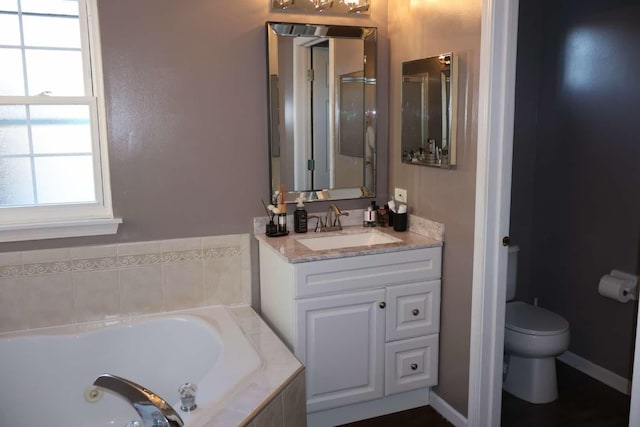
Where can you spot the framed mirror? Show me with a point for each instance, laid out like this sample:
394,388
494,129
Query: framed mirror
429,110
322,110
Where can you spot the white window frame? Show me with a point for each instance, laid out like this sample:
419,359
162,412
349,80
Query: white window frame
73,219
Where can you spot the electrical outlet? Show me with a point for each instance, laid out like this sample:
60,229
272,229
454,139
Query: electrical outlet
400,195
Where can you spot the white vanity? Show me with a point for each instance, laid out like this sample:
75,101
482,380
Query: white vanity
363,320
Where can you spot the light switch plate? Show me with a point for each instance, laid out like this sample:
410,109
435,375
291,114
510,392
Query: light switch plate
400,195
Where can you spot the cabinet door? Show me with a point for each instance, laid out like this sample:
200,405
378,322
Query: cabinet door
340,340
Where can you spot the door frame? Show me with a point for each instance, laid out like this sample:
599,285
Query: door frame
492,209
493,199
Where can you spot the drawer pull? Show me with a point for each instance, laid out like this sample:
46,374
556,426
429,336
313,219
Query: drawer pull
382,304
414,366
415,311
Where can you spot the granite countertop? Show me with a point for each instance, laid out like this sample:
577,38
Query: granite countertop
295,252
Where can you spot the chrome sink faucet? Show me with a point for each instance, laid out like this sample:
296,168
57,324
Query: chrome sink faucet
154,410
332,219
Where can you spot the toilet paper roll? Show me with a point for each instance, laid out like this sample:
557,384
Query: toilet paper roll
614,288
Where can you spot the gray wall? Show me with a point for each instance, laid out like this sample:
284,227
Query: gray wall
186,104
575,206
418,30
187,115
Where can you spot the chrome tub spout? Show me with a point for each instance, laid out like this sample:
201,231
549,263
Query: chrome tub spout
154,410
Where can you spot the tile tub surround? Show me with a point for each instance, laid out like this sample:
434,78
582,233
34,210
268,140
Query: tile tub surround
275,395
73,285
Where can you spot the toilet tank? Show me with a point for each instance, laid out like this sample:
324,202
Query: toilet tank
512,272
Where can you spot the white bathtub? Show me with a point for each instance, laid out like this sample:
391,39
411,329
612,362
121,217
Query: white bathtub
44,374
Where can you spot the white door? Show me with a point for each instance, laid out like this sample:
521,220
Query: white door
340,340
493,203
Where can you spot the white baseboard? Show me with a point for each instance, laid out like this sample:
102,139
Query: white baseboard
597,372
446,410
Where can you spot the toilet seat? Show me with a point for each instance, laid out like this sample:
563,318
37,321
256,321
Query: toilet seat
528,319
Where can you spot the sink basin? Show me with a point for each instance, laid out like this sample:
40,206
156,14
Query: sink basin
339,241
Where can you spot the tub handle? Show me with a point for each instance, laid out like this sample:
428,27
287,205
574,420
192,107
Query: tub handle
154,410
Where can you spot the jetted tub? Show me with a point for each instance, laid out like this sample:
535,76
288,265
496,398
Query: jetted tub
46,376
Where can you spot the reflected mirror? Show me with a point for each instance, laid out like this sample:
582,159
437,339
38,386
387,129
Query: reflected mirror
429,89
322,110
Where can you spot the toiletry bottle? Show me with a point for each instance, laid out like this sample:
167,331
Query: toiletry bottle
282,218
300,218
383,216
367,217
370,215
282,223
282,208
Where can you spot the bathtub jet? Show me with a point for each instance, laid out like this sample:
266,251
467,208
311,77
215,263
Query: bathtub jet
154,410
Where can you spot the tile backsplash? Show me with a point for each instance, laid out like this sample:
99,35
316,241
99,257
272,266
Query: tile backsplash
74,285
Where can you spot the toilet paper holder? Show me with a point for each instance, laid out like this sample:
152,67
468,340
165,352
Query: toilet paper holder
631,279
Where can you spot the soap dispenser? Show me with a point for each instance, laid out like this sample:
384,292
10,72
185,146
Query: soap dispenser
300,217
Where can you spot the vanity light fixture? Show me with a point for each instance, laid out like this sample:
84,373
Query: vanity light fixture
334,7
445,59
322,5
282,4
356,6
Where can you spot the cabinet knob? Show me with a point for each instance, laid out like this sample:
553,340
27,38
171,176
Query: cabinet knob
414,366
382,304
415,311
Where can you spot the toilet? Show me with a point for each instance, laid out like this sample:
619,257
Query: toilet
533,337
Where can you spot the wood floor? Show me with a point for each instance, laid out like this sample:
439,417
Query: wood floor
582,402
425,416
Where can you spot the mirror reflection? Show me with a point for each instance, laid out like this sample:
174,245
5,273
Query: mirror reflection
322,110
429,110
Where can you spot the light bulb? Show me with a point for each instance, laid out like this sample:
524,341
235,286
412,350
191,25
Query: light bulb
356,5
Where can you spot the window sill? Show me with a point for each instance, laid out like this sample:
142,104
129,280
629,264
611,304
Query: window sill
55,230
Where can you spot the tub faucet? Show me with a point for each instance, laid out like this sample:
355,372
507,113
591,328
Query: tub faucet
154,410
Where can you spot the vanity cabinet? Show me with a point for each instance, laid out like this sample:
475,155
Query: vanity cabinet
366,327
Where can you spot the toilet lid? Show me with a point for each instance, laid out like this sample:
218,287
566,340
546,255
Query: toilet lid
528,319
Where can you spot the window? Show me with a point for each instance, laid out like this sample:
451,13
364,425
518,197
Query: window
53,156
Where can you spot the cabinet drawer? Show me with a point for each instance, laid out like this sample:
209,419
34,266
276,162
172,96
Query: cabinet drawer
414,310
368,271
411,364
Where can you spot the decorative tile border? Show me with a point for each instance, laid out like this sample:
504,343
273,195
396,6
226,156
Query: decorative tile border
139,260
115,262
11,271
90,264
181,256
40,268
222,252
